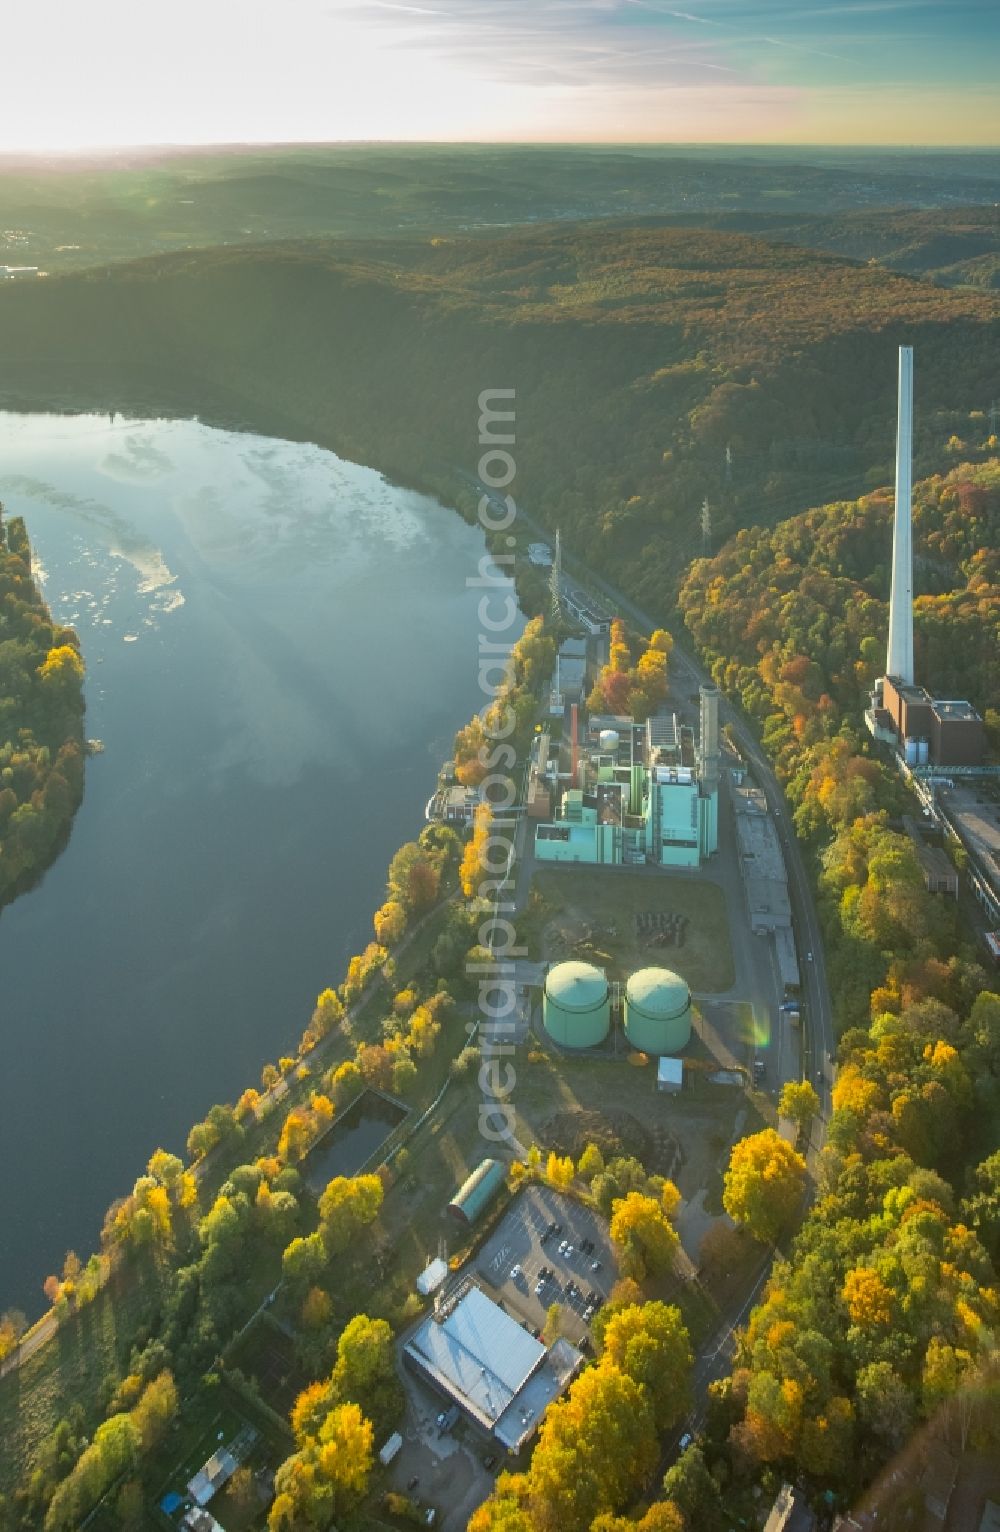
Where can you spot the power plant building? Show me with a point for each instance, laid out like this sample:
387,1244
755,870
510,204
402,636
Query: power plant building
576,1005
639,796
657,1011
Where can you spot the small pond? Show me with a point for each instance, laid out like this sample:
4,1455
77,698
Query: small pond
353,1139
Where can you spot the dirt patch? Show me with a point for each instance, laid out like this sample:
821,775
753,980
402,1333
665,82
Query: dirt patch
624,920
614,1133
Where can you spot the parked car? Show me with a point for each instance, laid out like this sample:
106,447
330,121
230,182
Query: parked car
563,1246
515,1272
685,1442
595,1265
588,1313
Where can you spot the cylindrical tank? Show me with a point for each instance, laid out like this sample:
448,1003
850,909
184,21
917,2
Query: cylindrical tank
657,1011
910,752
576,1005
608,740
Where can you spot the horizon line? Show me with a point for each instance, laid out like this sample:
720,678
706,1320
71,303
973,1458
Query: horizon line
76,151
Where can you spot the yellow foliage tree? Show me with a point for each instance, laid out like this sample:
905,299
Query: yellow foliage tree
764,1183
869,1301
641,1229
390,923
559,1171
473,869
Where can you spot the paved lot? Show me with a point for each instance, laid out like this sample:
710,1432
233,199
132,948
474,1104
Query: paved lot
518,1242
449,1469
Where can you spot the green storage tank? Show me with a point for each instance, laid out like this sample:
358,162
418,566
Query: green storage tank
576,1005
657,1011
477,1191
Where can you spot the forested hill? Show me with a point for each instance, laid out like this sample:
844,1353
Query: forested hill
793,618
955,246
41,721
639,357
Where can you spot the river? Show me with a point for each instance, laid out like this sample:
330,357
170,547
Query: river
280,646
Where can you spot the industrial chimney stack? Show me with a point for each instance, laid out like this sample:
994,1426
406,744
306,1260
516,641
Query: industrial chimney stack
709,741
899,658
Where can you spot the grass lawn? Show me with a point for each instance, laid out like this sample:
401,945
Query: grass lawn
590,913
69,1369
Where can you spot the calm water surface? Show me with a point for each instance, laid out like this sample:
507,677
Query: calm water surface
280,646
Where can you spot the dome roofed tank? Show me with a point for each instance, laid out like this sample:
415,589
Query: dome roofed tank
576,986
657,1011
576,1005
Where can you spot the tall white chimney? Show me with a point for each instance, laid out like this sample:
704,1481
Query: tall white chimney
709,741
899,658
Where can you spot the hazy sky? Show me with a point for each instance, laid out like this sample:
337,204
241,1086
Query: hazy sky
84,72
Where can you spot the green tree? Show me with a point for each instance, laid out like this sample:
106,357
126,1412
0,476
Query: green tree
690,1486
346,1206
594,1447
649,1343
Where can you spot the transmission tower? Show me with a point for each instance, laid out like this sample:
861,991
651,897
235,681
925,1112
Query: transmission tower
555,579
994,417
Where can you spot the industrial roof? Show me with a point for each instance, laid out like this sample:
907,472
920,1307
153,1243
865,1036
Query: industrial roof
955,709
480,1352
576,986
658,992
669,1071
547,1383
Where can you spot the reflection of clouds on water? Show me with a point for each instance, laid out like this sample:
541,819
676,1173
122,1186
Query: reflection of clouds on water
287,507
122,542
135,461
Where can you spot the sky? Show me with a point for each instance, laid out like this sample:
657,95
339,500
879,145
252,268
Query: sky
82,73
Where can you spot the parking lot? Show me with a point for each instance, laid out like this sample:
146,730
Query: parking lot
512,1260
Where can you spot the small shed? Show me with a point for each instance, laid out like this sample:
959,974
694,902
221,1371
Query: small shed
670,1074
198,1520
432,1276
209,1480
391,1448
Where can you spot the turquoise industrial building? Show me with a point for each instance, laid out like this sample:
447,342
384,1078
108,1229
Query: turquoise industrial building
632,793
